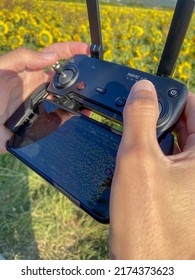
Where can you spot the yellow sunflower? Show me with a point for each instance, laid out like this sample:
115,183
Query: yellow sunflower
142,51
137,31
157,36
2,16
45,38
16,18
24,14
15,41
10,26
22,31
108,55
3,27
185,70
3,40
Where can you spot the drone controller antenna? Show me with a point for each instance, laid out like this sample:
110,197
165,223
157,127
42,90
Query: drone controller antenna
179,26
95,28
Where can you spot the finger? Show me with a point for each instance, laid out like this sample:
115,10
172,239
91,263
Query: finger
190,113
181,131
23,58
68,49
140,117
190,117
5,135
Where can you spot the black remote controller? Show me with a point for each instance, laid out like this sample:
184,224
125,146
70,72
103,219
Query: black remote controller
103,87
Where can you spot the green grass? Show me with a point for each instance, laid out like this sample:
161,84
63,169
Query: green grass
38,222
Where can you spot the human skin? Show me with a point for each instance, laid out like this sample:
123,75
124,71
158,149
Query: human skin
22,71
152,206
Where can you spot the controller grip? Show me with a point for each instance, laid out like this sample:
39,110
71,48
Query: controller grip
167,144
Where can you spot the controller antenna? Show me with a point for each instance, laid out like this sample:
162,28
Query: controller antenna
96,48
179,25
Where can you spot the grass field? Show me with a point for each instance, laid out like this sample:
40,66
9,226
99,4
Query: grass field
36,221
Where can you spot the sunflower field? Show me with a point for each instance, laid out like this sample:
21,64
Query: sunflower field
131,36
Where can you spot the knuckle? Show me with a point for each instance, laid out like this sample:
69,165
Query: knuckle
54,46
22,51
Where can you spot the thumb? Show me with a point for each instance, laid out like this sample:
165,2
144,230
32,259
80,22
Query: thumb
140,116
22,58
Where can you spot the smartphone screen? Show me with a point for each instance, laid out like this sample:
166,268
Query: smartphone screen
74,154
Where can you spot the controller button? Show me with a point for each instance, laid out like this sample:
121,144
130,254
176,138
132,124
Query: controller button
120,101
173,92
81,85
101,90
65,77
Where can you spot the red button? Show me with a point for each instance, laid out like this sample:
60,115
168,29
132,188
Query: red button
81,85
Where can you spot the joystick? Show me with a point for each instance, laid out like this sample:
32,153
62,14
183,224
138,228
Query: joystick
65,76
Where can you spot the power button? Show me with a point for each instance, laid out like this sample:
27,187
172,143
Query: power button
174,92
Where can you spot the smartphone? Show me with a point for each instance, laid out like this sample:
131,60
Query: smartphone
74,154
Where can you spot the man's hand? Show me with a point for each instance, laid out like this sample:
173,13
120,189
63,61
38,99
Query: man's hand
152,213
22,71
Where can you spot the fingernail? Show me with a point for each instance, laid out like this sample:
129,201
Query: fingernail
143,85
48,55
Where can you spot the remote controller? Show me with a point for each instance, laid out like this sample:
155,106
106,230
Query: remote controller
80,84
81,80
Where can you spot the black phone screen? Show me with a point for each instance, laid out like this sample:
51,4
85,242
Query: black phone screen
75,155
